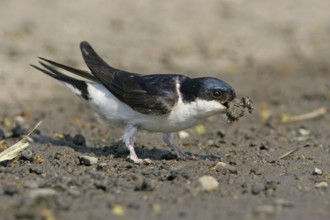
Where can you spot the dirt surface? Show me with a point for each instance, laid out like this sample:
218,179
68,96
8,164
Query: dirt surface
270,167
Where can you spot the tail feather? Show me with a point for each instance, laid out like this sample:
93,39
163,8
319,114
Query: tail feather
78,72
79,87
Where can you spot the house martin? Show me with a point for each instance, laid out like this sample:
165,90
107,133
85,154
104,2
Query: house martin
165,103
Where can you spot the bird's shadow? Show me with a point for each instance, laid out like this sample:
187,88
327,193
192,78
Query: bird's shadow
118,150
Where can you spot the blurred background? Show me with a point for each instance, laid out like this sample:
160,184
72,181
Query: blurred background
246,38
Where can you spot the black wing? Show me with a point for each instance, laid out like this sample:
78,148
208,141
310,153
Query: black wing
148,94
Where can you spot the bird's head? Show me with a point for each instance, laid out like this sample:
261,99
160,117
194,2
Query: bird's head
208,89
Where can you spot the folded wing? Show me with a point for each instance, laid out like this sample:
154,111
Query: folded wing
147,94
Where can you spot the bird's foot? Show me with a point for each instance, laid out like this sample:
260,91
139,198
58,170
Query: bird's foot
180,154
137,160
169,140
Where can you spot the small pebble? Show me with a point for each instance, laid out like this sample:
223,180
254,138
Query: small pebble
74,192
2,133
183,134
87,160
79,139
102,166
58,156
143,185
200,129
257,188
10,190
225,168
211,143
19,120
98,175
321,185
270,193
66,179
27,154
17,131
177,173
271,185
7,122
264,146
208,183
118,210
221,134
283,203
304,132
155,207
31,184
36,170
264,210
42,193
317,171
101,185
62,204
255,171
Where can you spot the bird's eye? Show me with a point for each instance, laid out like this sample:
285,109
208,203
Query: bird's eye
216,93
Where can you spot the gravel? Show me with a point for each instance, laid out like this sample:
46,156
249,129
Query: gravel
225,168
42,193
257,188
27,154
2,133
142,184
208,183
17,131
87,160
10,190
79,139
317,171
264,210
321,185
36,170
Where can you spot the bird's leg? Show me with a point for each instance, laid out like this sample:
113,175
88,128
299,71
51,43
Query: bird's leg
169,140
129,135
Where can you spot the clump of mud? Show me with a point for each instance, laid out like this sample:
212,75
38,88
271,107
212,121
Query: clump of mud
237,107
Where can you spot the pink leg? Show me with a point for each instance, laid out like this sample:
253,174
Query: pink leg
169,140
129,135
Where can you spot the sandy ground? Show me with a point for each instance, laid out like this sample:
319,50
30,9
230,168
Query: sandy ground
275,53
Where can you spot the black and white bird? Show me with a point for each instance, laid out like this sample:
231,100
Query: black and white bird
163,103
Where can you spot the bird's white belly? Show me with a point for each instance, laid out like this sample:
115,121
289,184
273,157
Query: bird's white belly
182,116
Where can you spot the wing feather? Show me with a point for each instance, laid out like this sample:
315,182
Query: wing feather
147,94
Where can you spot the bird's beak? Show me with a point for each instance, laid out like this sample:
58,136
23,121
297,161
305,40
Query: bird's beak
230,97
226,104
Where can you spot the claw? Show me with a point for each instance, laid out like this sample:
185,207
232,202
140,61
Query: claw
185,156
137,160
